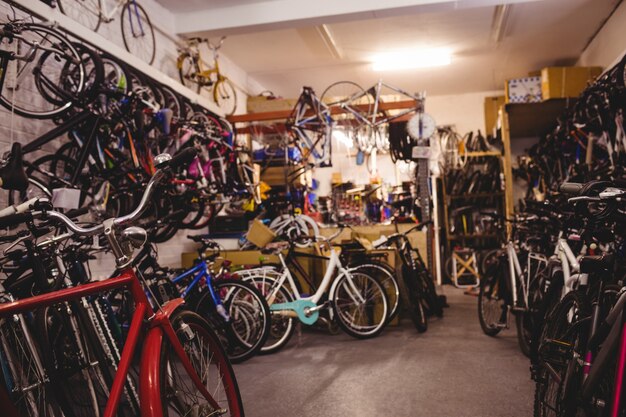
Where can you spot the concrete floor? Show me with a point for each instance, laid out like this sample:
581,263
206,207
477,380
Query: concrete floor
451,370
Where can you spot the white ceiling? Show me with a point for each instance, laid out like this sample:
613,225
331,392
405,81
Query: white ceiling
538,34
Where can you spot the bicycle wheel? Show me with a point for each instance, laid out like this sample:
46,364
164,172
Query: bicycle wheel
52,56
386,276
137,32
85,12
116,75
492,301
188,71
414,299
179,395
250,318
225,96
282,326
76,379
559,374
246,332
360,305
23,372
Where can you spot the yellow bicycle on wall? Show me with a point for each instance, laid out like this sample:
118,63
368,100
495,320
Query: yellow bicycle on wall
195,75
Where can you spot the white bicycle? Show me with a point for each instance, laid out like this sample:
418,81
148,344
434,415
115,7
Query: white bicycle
357,300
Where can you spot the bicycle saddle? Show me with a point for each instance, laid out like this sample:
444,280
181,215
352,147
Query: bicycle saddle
204,240
12,174
274,248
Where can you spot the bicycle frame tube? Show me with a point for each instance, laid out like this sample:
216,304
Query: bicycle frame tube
515,272
620,370
199,269
132,7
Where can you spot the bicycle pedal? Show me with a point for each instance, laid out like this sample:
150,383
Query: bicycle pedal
519,309
502,326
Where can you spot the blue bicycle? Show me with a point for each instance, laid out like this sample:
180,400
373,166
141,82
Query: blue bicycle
235,309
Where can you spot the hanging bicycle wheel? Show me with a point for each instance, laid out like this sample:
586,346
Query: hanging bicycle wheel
360,305
179,395
85,12
225,96
137,32
188,71
29,82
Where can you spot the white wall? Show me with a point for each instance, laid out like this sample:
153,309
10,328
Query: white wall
464,111
609,45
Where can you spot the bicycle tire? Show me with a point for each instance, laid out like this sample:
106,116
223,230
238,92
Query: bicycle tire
387,278
570,329
129,33
413,300
50,76
72,380
282,327
226,392
88,14
238,350
188,69
225,96
22,370
490,290
375,312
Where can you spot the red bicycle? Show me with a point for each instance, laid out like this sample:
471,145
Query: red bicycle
183,369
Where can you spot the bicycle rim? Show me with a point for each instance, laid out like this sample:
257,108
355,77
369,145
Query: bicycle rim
360,305
180,397
137,32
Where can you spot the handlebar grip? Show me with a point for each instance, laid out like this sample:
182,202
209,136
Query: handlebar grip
15,219
571,188
183,157
77,212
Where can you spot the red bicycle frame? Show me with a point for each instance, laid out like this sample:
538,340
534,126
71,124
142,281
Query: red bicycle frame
159,326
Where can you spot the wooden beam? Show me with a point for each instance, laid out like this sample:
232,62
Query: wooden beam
284,114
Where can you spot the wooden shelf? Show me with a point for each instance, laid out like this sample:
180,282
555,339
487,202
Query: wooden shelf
476,195
483,154
284,114
473,236
535,119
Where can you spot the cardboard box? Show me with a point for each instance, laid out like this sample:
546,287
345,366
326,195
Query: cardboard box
563,82
492,106
262,104
260,234
523,90
276,175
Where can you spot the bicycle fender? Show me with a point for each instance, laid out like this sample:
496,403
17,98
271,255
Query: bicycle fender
149,395
168,309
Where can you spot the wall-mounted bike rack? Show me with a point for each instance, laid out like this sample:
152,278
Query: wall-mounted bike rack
51,15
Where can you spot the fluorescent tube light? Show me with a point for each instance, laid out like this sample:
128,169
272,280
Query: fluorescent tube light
408,59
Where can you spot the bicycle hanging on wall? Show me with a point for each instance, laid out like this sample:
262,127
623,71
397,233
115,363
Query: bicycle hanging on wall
137,31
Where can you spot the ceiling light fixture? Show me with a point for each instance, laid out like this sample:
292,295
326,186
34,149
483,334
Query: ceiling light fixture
500,19
409,59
